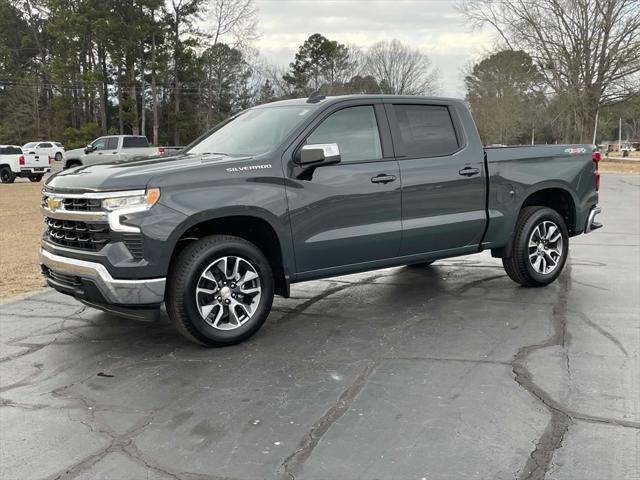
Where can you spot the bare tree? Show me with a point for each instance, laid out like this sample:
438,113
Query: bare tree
400,69
237,18
587,50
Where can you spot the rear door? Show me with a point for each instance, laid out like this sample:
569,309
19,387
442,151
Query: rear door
134,147
443,181
345,213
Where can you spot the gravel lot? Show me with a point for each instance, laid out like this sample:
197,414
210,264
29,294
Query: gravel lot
451,372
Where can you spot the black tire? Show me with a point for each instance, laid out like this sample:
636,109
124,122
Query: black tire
185,276
421,264
36,178
6,175
58,157
518,264
72,163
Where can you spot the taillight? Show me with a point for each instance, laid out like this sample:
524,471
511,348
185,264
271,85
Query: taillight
161,151
596,160
21,160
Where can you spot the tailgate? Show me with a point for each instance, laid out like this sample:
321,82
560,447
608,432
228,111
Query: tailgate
35,158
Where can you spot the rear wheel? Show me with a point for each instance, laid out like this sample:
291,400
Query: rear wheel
36,178
220,291
6,175
539,248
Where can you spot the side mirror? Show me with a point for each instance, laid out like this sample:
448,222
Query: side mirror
319,154
88,149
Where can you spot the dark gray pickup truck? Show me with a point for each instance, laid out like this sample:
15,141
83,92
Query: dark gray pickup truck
305,189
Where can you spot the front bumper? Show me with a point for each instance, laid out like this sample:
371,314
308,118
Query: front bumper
92,283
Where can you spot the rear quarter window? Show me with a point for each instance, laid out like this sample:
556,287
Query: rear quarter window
426,130
135,142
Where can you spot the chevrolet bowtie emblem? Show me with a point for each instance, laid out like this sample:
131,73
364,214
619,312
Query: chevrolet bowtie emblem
53,203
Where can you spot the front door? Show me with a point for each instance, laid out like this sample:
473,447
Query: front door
443,179
105,150
347,213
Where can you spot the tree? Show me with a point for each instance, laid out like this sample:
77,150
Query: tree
401,70
267,93
504,93
587,50
318,61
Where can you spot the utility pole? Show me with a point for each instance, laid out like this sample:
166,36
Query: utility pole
595,128
620,136
533,136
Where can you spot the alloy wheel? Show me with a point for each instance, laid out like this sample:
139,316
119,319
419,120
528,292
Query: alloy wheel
228,292
545,247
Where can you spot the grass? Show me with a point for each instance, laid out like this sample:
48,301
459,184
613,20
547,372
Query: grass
21,227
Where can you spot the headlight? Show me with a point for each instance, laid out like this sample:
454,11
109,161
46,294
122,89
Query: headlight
142,202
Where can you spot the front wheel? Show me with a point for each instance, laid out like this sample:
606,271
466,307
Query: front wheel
220,291
539,248
6,175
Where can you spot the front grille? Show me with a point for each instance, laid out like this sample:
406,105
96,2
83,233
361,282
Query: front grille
82,204
77,204
81,235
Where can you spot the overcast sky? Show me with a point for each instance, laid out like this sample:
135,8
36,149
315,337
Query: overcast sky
433,26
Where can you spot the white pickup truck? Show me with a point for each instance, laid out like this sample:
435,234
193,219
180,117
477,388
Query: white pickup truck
14,163
110,149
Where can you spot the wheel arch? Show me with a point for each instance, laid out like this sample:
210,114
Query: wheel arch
72,162
556,196
250,227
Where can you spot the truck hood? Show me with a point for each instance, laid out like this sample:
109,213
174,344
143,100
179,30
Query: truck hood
131,174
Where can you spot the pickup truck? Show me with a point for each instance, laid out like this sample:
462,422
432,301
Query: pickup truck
111,148
15,163
305,189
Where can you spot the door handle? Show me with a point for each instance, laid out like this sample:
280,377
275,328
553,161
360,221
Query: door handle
383,178
469,172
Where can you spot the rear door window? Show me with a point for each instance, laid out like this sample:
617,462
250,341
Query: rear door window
426,130
355,130
135,142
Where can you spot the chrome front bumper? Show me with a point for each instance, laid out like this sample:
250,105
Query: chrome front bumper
115,292
591,224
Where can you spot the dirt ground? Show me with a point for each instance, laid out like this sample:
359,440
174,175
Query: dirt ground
21,227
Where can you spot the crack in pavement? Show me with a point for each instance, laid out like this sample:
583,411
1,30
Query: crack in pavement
551,439
294,462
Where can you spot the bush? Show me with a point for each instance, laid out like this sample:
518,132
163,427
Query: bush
79,137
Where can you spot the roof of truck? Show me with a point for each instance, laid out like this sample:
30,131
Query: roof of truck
320,100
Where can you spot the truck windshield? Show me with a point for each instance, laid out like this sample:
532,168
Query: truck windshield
252,132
